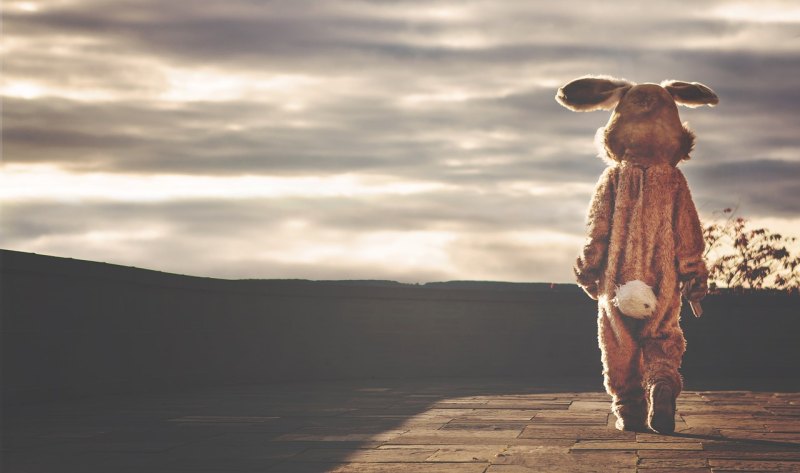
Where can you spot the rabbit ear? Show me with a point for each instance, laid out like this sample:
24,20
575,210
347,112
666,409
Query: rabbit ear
592,93
690,94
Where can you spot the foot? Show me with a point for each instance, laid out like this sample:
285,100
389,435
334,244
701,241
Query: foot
662,409
630,424
631,414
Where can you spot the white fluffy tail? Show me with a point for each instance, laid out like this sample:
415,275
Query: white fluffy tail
635,299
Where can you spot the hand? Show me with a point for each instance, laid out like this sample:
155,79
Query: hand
591,289
696,288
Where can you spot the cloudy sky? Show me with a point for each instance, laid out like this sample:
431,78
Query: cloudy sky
408,140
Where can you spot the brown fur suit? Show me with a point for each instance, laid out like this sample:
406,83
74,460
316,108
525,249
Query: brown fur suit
642,225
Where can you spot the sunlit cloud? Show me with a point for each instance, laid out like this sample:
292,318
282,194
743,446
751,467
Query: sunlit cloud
23,90
403,251
43,182
27,7
761,12
209,85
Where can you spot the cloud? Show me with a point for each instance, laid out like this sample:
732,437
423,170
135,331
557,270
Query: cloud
380,238
760,187
198,105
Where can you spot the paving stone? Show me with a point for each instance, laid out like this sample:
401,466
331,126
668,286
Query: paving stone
672,463
719,408
787,437
364,455
484,425
789,426
619,445
441,413
793,411
553,469
739,453
475,440
409,468
459,405
534,449
568,462
527,404
752,465
567,417
654,437
577,432
674,470
541,442
497,414
302,467
600,406
467,453
744,422
697,431
449,435
377,437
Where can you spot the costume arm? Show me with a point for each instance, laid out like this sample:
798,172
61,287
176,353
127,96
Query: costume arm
689,244
591,261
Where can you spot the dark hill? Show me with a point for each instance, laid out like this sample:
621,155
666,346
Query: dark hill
77,328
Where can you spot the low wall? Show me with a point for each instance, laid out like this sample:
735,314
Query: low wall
74,328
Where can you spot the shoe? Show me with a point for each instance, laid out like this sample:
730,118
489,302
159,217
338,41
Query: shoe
630,424
662,409
631,414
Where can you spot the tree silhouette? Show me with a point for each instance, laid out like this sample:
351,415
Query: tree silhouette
743,259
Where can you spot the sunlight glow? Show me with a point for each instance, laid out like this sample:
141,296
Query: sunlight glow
464,40
543,188
27,7
22,90
788,227
758,13
103,237
447,14
422,99
31,91
210,85
451,93
43,182
400,250
121,242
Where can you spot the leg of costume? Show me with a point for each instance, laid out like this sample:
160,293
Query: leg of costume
622,366
662,350
663,347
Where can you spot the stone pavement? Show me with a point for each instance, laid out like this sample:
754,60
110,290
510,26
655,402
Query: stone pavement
414,426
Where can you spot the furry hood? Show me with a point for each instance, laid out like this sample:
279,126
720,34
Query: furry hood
644,127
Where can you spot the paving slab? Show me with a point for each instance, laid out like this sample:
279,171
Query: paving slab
466,425
673,462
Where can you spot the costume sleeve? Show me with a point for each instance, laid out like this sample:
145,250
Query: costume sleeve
592,258
689,243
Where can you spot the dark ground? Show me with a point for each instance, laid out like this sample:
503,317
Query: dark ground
476,425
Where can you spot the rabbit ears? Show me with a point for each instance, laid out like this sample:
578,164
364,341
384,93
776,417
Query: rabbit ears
591,93
690,94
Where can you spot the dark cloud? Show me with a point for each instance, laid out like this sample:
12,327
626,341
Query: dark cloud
759,187
345,137
476,211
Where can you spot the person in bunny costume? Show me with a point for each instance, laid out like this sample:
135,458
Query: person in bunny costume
644,245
